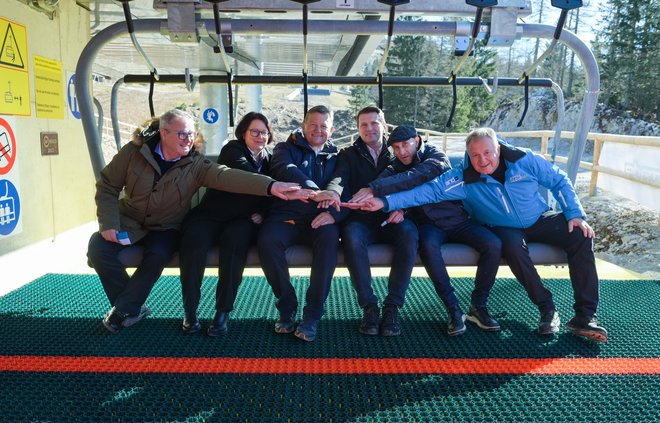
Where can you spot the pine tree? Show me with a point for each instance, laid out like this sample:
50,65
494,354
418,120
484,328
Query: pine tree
627,49
359,98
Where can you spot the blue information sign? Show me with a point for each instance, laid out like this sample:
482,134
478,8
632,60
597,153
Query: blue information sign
71,97
10,207
210,115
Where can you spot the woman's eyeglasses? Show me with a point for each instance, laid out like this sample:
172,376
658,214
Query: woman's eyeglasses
256,133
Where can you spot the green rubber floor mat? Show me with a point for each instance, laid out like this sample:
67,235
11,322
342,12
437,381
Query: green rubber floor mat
58,363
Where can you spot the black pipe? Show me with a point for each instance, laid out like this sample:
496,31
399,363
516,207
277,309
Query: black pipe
336,80
526,101
127,15
151,94
454,100
230,95
379,80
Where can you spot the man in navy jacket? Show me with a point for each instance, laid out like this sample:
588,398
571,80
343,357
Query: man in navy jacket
307,158
499,184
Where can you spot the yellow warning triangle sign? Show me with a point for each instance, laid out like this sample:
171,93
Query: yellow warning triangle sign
10,52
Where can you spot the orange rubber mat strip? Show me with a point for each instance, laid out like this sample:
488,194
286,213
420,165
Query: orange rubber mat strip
460,366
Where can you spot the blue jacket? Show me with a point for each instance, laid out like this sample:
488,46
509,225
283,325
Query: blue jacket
516,203
295,161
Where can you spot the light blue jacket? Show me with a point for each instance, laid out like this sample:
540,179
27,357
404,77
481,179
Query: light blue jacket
516,203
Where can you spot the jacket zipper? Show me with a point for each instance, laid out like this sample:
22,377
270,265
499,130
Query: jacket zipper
504,203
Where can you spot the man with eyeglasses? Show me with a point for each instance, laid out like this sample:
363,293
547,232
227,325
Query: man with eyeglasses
142,197
308,158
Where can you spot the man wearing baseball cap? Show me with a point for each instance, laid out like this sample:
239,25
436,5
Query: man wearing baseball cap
416,163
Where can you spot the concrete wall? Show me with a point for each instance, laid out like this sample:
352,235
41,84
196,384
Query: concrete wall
56,192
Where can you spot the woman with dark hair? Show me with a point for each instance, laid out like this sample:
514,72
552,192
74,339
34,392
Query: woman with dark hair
228,220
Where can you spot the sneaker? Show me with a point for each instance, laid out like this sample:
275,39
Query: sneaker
389,325
549,323
131,320
456,322
307,330
587,327
483,319
286,323
370,319
113,320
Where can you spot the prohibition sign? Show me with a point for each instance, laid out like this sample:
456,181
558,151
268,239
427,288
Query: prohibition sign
7,147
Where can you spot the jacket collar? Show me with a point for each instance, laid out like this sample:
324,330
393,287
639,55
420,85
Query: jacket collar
298,139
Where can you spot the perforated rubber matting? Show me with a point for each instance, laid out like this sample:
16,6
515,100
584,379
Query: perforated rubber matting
58,363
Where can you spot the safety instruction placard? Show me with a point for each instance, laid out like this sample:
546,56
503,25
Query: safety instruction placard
10,200
14,69
7,147
48,91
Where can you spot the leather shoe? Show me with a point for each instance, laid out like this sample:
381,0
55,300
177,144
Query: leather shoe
113,320
219,324
190,323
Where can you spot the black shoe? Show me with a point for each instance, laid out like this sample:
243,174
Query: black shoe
370,319
113,320
219,324
483,319
306,330
549,323
131,320
286,323
587,327
190,323
389,325
456,322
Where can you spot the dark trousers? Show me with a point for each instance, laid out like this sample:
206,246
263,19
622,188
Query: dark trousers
552,228
356,237
128,293
199,236
274,238
487,244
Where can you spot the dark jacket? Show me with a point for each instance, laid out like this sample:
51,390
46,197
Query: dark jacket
223,206
355,170
428,163
295,161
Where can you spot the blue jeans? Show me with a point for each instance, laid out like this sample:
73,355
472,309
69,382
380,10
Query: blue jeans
552,228
274,238
470,233
356,237
128,293
199,236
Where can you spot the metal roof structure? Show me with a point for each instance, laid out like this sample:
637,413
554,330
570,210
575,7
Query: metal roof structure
183,39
